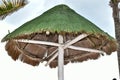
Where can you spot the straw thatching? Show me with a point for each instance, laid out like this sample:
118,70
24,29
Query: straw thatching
58,20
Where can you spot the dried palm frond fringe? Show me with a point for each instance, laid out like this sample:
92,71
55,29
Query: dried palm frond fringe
34,53
9,6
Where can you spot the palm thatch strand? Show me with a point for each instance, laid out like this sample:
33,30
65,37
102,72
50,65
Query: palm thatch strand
60,20
9,6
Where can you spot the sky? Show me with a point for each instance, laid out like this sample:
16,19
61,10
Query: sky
97,11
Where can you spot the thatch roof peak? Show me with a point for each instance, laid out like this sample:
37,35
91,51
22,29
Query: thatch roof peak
60,19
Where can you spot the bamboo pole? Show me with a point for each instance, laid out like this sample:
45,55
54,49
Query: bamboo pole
64,46
60,59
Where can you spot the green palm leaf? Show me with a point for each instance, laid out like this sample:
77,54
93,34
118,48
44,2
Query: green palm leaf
9,6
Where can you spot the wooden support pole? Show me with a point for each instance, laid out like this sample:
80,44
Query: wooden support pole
60,59
82,36
67,45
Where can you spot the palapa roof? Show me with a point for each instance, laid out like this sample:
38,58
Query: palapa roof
58,20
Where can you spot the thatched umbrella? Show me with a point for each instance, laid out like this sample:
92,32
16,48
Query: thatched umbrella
59,31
